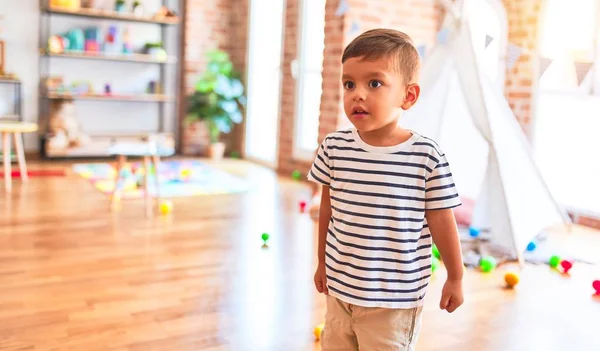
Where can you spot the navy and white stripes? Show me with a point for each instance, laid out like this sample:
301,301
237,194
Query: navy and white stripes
378,249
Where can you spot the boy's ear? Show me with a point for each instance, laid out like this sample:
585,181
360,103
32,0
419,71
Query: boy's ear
412,95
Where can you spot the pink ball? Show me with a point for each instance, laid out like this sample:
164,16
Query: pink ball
596,285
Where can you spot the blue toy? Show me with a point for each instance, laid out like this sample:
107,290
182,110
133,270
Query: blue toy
531,246
473,232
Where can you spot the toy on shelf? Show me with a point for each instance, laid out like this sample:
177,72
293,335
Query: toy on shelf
93,37
64,129
164,13
127,47
76,40
73,5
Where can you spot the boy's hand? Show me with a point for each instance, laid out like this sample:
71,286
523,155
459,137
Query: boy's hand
321,279
452,295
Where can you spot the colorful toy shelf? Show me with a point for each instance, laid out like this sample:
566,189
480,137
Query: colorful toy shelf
111,15
141,58
87,43
111,97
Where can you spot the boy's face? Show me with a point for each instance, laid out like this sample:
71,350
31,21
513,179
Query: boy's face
375,93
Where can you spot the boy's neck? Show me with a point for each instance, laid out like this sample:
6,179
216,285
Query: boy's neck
388,135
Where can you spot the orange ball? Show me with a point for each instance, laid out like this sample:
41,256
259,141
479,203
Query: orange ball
511,279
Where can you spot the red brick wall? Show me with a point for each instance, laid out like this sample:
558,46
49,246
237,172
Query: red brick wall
212,24
419,19
523,17
291,37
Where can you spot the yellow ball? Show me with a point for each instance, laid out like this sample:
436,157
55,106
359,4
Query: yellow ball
166,207
511,279
319,330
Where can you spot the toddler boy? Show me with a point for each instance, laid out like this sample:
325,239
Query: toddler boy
387,192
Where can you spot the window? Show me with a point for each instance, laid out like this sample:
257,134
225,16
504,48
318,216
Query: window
309,78
567,106
567,46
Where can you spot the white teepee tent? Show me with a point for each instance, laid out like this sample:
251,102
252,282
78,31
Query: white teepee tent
488,153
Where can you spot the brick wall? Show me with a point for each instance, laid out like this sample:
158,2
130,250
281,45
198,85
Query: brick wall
212,24
418,18
523,17
291,36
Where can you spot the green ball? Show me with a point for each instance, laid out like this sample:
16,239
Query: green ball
554,261
296,175
435,263
487,264
436,252
265,237
234,154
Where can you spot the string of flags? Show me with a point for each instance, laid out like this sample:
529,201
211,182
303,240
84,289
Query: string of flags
513,51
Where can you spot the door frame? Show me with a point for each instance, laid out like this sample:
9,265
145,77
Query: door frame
275,163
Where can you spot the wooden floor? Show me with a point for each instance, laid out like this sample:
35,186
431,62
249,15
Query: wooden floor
75,276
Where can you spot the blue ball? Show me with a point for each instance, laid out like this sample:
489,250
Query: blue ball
474,232
531,246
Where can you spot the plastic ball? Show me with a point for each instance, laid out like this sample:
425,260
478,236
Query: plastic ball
435,263
436,252
296,175
511,279
531,246
318,330
166,207
473,232
596,286
566,265
487,264
302,206
554,261
265,237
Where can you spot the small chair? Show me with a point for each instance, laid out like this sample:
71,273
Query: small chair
149,151
16,129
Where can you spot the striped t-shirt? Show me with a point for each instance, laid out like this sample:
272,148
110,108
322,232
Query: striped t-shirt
378,251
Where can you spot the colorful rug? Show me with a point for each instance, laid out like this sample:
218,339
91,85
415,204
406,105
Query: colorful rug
176,179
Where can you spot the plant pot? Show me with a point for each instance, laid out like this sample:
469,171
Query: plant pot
216,151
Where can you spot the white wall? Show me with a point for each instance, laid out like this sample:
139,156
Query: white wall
20,30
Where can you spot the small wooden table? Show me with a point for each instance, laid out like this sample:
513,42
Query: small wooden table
148,151
16,129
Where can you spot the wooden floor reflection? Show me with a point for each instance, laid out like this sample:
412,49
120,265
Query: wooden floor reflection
76,276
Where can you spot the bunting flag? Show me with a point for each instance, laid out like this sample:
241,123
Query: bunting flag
488,40
513,54
421,51
582,69
342,8
442,36
544,63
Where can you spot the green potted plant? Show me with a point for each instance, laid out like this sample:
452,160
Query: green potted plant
119,5
217,100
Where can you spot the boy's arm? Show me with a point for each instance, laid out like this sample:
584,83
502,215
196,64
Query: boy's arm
324,218
444,232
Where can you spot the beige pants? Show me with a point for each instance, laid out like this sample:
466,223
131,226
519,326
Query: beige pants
349,327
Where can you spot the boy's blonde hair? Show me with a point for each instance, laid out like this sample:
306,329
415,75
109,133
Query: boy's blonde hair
395,45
